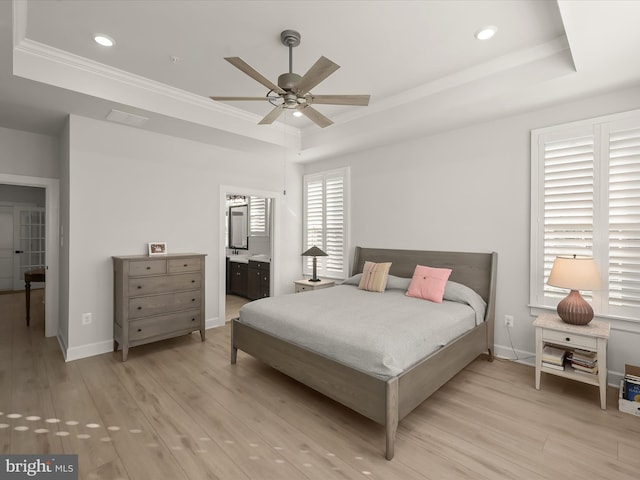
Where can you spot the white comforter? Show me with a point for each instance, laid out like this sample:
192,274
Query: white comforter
382,334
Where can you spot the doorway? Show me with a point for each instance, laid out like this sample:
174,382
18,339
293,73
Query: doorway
262,227
22,234
49,246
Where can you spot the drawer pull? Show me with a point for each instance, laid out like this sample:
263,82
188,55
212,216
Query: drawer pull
193,299
193,281
139,308
193,319
139,287
139,329
186,265
148,268
568,339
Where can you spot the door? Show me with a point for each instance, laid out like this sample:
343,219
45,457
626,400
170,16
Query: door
29,242
6,248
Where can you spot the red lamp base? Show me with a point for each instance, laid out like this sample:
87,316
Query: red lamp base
575,310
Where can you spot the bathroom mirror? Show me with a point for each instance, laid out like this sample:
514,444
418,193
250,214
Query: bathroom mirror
239,227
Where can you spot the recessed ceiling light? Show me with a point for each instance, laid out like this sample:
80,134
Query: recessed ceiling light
485,33
104,40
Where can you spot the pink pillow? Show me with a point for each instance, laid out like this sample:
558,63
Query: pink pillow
428,283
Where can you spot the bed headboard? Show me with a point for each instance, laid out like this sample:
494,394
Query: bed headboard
475,270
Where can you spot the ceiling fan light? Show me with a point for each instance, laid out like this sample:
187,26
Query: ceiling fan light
297,113
485,33
104,40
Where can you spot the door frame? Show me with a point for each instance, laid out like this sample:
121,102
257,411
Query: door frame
52,227
222,252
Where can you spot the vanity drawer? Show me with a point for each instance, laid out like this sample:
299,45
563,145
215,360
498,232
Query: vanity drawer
569,339
149,267
163,325
157,304
163,284
177,265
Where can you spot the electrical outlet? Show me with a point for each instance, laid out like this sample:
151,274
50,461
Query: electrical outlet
508,320
86,318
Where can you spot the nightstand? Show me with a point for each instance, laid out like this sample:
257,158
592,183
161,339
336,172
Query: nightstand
306,285
550,329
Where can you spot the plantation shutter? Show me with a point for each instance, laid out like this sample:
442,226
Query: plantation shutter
568,202
325,221
585,201
257,216
624,218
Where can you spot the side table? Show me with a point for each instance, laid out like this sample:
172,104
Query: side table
307,285
550,329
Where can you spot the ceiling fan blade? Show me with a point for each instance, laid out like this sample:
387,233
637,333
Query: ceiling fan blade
317,73
315,116
357,100
239,99
249,70
271,116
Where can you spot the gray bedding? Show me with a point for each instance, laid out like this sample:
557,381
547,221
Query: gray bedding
381,334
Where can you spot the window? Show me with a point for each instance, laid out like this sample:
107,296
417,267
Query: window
258,216
325,221
585,200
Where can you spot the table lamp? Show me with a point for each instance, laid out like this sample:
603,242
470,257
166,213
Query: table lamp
574,273
314,252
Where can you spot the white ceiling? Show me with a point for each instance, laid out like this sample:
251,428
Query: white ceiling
419,61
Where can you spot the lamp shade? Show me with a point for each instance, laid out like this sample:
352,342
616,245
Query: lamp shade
314,252
574,273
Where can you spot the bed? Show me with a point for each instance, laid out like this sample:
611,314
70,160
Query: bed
384,396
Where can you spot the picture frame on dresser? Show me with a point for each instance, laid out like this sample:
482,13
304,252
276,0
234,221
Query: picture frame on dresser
157,248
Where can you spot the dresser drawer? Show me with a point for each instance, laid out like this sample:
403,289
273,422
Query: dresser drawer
163,284
163,325
149,267
177,265
569,339
158,304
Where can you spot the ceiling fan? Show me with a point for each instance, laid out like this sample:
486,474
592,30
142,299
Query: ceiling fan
293,91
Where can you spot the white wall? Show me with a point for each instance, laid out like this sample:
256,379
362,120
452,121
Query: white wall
469,190
127,187
29,154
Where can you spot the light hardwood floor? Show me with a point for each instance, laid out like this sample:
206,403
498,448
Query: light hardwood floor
232,306
178,410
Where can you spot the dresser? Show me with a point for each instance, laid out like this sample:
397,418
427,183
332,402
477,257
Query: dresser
157,298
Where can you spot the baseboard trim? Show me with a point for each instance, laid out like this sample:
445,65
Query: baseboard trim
89,350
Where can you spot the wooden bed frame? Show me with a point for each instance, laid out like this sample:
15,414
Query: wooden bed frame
386,401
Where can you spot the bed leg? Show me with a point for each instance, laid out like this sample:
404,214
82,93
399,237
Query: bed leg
391,417
490,355
234,350
234,355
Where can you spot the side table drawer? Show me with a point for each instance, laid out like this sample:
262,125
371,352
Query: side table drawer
570,339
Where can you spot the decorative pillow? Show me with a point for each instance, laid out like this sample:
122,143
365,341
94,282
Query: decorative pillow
374,276
428,283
